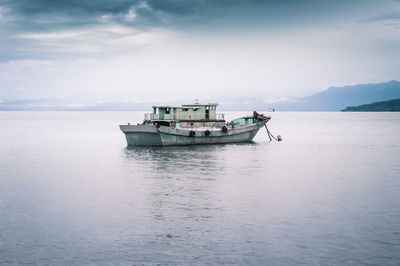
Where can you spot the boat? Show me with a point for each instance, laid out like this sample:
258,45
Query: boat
192,124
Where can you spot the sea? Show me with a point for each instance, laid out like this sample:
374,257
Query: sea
73,193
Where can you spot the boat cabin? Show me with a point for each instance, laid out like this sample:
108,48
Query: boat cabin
243,121
191,112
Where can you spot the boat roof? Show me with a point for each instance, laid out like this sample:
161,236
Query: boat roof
196,105
199,104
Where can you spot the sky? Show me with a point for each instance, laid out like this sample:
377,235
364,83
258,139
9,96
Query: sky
160,50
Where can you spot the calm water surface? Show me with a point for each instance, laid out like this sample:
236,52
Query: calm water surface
71,192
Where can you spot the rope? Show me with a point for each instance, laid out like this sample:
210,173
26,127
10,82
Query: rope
270,134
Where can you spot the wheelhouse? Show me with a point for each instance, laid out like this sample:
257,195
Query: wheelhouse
187,112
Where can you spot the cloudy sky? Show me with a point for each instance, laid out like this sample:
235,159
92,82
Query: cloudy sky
143,50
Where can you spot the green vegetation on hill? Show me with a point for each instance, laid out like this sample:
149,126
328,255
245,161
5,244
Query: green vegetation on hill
385,106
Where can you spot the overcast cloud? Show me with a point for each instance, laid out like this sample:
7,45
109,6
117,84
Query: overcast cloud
170,49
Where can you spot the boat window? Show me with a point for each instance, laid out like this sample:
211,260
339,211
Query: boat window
185,109
195,109
167,110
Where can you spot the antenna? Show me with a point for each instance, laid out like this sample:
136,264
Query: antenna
196,101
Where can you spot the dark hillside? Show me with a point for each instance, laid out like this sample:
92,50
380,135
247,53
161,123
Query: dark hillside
385,106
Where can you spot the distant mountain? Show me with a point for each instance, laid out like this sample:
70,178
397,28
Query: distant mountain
226,104
67,104
338,98
40,105
384,106
332,99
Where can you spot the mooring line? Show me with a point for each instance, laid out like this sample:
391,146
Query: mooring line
278,138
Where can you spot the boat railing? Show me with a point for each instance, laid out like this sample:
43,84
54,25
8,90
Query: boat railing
220,116
148,116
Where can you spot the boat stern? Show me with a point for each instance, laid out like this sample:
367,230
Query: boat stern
141,135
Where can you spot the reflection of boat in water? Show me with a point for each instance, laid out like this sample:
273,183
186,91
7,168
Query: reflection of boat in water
191,124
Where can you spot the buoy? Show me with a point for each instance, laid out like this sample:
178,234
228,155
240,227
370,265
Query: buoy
207,132
224,129
192,133
279,138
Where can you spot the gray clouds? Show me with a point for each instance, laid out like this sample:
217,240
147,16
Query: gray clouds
141,48
60,14
391,15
